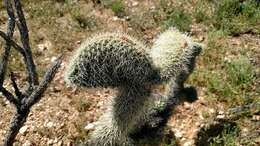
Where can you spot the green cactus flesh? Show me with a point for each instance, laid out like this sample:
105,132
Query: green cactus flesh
110,59
174,53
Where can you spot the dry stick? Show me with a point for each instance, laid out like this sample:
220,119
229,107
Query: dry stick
9,96
23,101
17,92
23,109
18,120
10,31
23,29
13,44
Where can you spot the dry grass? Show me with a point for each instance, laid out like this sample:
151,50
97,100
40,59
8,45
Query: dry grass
226,76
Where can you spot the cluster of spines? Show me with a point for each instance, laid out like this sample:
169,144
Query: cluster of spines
110,59
117,60
174,53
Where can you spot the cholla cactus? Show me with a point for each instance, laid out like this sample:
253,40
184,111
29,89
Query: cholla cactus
117,60
174,53
122,117
110,60
114,60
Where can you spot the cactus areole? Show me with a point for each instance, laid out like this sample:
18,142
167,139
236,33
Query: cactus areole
110,60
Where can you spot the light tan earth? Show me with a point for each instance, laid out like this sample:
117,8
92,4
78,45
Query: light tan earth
62,115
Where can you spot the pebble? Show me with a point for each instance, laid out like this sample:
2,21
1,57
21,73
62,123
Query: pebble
178,133
256,118
50,142
27,143
201,116
23,130
221,112
89,127
220,116
188,143
187,105
53,59
211,110
59,143
115,18
49,125
135,3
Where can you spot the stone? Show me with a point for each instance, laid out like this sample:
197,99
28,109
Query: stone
23,130
89,127
27,143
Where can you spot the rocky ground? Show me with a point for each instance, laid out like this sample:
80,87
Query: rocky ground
65,115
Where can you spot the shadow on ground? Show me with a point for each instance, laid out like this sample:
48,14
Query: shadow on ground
155,136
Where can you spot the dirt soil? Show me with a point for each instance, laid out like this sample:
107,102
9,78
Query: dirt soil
64,115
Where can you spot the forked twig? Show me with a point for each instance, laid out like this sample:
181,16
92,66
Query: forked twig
22,100
10,31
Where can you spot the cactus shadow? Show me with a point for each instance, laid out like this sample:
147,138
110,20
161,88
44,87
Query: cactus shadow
215,129
155,136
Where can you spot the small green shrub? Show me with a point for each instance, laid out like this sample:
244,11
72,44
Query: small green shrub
117,6
227,137
240,72
235,17
84,21
179,19
201,12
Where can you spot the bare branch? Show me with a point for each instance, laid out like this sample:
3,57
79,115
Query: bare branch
10,31
23,101
18,120
49,75
22,26
243,108
18,93
9,96
13,43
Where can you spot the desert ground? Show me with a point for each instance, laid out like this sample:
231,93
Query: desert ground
226,77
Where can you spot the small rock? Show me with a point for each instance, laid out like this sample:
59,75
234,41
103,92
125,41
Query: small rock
256,118
178,133
221,112
50,142
152,7
89,127
27,143
55,140
187,105
220,116
115,18
47,59
49,124
41,47
135,3
23,130
201,116
100,103
188,143
45,46
197,123
53,59
59,143
212,110
201,38
78,42
183,139
69,144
